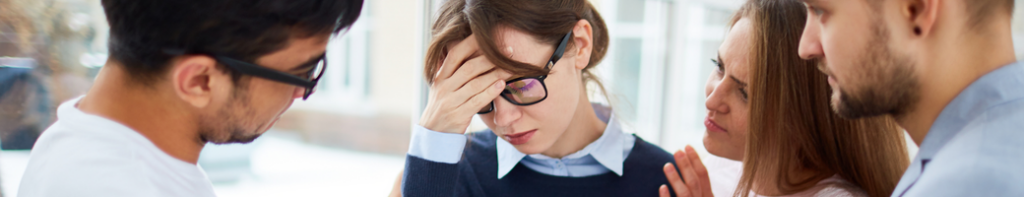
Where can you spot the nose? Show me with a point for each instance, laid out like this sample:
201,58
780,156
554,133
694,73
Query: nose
810,41
716,100
505,113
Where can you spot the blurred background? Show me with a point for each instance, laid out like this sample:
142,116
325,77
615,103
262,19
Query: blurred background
349,138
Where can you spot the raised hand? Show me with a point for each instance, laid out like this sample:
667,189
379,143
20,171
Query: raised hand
466,83
694,173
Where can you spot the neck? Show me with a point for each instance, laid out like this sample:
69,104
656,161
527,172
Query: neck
955,61
584,129
146,110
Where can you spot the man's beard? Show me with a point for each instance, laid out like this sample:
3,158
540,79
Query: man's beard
227,127
887,85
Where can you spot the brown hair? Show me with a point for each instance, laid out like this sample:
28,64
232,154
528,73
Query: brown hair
546,20
791,124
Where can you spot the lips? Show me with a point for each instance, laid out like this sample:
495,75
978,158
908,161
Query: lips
520,138
712,126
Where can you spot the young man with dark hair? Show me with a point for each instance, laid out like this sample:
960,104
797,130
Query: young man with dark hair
945,70
182,73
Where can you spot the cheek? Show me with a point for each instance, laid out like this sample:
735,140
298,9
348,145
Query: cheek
563,96
741,122
844,49
270,98
555,112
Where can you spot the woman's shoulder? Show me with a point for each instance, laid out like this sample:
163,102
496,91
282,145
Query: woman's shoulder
839,187
643,145
647,152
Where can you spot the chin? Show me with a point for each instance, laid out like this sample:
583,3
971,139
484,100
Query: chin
528,149
718,148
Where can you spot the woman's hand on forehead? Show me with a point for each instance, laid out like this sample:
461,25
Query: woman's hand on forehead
464,85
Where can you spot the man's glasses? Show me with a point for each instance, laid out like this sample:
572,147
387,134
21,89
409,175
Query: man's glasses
308,80
529,90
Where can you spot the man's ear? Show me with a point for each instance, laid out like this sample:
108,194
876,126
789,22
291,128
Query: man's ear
583,39
197,81
922,15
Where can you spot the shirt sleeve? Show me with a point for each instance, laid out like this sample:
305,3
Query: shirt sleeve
436,146
432,164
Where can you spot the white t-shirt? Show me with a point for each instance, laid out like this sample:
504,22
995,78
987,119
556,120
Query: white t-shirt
87,155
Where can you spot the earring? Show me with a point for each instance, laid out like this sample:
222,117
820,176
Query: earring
917,30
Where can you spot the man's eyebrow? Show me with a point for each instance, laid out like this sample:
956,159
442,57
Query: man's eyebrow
742,84
308,64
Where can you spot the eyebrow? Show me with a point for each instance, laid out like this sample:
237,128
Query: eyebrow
308,64
722,63
742,84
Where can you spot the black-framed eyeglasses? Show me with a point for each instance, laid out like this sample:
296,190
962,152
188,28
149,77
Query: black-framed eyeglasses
308,80
525,91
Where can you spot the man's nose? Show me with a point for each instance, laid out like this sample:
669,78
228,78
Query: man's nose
810,42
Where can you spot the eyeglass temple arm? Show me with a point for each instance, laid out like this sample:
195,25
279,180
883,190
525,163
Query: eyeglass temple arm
266,72
560,50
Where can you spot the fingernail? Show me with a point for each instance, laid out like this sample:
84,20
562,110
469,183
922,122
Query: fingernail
498,84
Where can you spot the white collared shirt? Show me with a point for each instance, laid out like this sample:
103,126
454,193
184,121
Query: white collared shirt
605,154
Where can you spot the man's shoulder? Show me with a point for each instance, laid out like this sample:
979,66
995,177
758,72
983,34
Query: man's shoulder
72,158
63,175
986,157
990,140
970,175
998,130
74,143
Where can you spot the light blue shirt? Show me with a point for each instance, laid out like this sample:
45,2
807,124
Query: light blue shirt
976,145
605,154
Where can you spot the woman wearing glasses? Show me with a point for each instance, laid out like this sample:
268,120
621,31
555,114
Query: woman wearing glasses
770,109
523,66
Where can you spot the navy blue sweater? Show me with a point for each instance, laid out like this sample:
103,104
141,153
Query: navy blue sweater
476,175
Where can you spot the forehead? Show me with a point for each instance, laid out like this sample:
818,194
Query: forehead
736,49
521,46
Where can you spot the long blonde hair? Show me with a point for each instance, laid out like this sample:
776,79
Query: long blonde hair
791,124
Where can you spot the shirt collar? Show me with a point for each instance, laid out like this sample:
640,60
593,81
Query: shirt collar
996,87
607,150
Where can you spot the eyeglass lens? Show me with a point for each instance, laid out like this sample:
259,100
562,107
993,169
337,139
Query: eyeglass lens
522,92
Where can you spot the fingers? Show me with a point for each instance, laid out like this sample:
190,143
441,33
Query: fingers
686,168
675,181
472,69
456,55
479,85
482,98
700,170
663,191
